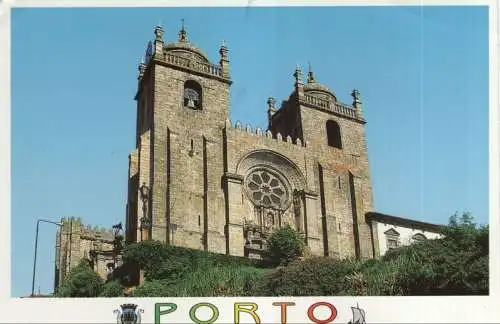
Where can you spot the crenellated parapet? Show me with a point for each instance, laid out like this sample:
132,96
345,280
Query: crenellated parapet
98,234
75,226
259,132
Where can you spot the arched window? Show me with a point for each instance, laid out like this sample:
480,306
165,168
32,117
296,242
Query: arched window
392,238
192,95
110,267
419,238
333,134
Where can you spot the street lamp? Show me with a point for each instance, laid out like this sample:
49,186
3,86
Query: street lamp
118,236
145,221
36,249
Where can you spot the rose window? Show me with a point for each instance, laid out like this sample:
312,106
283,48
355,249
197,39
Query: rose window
266,190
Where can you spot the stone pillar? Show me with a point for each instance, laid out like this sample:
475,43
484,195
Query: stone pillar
357,104
75,243
224,61
363,228
158,43
144,177
234,215
299,211
299,84
375,242
142,69
271,110
131,209
145,234
312,223
141,276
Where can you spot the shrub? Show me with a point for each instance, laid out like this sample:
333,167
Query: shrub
145,253
112,289
155,288
223,281
179,272
284,245
454,265
172,269
161,261
207,281
81,281
311,277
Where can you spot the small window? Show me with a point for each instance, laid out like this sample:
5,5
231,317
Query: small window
392,243
419,238
392,237
333,134
110,267
192,95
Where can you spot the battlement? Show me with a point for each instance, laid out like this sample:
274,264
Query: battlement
93,233
97,234
277,137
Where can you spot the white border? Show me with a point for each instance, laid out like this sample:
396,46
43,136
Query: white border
379,309
5,144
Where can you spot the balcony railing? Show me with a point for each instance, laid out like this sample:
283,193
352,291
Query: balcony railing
207,68
329,105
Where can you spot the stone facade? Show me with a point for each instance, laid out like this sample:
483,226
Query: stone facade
75,242
222,187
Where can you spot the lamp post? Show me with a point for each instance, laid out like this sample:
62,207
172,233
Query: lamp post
117,242
118,231
145,220
36,249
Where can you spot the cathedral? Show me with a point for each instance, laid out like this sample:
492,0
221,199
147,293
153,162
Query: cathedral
200,181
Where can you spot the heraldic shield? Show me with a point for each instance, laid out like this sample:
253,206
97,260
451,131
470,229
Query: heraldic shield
128,314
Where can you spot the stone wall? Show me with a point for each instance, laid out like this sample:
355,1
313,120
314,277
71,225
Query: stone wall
75,241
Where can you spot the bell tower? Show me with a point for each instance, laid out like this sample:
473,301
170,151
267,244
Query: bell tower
182,105
334,134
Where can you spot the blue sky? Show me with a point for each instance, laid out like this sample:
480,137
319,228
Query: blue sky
422,73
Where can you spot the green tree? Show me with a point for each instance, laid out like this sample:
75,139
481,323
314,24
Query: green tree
81,281
155,288
316,276
284,245
456,264
112,289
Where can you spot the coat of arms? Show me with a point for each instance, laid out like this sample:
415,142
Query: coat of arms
128,314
